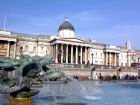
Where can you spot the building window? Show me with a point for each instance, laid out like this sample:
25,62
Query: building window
96,62
101,62
122,56
96,54
34,49
101,54
126,64
1,45
26,47
121,64
42,48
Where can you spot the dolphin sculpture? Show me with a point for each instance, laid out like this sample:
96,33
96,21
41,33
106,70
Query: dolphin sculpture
26,68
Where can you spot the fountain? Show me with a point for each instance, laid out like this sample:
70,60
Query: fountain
21,79
83,91
25,70
17,86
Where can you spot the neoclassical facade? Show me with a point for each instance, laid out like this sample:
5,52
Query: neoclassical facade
66,48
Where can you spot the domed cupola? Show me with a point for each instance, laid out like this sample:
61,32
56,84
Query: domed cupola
66,30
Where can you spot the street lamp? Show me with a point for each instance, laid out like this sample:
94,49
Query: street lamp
92,58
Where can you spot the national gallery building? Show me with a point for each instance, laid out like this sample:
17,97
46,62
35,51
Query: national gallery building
66,48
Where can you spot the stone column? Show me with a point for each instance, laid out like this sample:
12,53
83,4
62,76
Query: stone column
88,54
56,53
89,57
72,54
128,60
118,63
8,49
66,53
115,61
106,58
15,48
81,59
76,55
62,51
85,55
110,58
53,51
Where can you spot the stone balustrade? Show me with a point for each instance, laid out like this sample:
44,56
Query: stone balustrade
88,67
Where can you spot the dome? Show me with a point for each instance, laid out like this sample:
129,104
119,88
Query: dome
66,25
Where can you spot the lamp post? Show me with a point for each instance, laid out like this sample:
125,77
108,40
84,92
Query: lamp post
92,58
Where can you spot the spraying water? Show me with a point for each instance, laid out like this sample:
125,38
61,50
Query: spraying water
83,91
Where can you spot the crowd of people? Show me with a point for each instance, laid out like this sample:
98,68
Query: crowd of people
115,77
129,77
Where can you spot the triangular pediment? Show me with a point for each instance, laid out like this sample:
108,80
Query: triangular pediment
73,39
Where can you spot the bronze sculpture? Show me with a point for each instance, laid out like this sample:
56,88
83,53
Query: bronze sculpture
26,68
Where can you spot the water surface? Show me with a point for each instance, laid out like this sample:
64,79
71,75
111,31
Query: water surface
88,92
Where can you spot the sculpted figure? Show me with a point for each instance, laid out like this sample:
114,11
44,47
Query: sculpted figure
26,69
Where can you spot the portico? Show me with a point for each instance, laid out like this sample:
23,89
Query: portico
70,52
8,47
111,56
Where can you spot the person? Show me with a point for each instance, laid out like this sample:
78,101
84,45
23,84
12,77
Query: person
93,68
100,76
114,77
96,76
88,62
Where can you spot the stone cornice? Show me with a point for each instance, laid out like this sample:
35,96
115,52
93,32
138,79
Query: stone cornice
8,39
70,42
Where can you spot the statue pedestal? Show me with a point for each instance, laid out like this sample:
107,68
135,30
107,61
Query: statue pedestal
20,101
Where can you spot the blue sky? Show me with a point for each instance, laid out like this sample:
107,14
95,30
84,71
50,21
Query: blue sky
107,21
